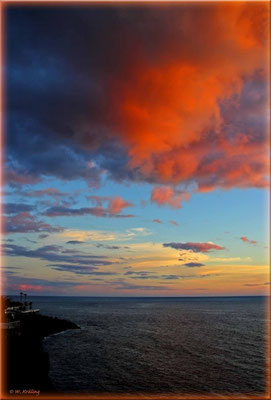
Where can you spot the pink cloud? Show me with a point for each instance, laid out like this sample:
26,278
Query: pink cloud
31,288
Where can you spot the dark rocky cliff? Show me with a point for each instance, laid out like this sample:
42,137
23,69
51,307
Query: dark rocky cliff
27,362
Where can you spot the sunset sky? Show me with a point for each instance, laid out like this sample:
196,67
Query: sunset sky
136,149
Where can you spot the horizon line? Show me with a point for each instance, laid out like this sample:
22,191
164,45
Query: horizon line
138,297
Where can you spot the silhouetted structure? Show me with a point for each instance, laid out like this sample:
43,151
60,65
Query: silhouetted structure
27,362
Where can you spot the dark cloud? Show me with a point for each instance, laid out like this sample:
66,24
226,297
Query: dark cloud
75,242
27,223
69,251
171,277
195,247
15,208
66,93
70,212
43,236
47,197
80,269
131,272
99,245
194,264
56,254
29,240
142,275
43,156
154,275
8,270
146,277
157,276
255,284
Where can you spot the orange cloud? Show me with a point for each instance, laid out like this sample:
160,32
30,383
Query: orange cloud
117,204
176,103
167,196
246,240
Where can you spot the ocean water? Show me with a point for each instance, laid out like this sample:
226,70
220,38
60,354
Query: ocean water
158,345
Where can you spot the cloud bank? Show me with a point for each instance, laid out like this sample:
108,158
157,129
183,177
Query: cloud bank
146,96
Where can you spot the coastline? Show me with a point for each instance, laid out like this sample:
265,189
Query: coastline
27,362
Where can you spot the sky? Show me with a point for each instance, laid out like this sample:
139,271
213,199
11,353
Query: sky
136,149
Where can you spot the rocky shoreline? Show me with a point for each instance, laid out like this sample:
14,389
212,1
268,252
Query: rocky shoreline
27,362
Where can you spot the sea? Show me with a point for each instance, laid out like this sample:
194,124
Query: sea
214,345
